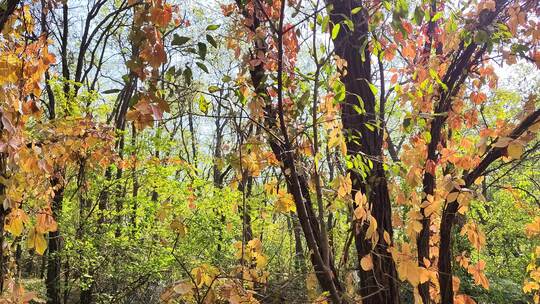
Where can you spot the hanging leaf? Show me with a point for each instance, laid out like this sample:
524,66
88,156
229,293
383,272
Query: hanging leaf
188,75
366,262
37,241
203,104
179,40
202,66
211,40
335,31
202,49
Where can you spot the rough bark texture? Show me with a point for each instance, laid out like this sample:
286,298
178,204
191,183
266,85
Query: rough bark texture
378,285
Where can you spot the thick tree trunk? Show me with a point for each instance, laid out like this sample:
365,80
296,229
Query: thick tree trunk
378,285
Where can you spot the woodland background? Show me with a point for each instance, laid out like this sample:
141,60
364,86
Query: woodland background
269,151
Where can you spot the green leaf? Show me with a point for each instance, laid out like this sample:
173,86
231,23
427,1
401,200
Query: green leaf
349,24
373,89
363,50
437,16
481,37
418,15
203,104
213,89
427,136
335,31
433,74
339,91
202,66
211,40
202,50
179,40
355,10
324,24
212,27
188,75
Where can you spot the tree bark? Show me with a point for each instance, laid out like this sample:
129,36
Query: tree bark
296,183
3,213
52,281
378,285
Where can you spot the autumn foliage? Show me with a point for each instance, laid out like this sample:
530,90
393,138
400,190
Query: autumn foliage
257,151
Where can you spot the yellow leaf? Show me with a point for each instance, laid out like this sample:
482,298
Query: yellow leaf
452,196
479,180
15,222
502,142
311,285
285,202
372,229
179,227
345,186
533,228
474,234
359,213
530,286
367,262
387,238
477,271
37,241
515,150
45,222
360,198
182,288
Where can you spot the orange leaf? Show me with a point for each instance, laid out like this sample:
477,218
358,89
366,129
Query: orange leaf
367,262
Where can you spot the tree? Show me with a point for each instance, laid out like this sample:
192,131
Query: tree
269,151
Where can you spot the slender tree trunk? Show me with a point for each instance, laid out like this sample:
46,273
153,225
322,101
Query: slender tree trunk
135,190
66,281
3,213
299,259
297,185
120,190
192,133
54,262
450,211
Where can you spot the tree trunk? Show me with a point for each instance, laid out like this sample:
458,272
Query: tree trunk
299,260
378,285
3,213
54,262
135,190
297,185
